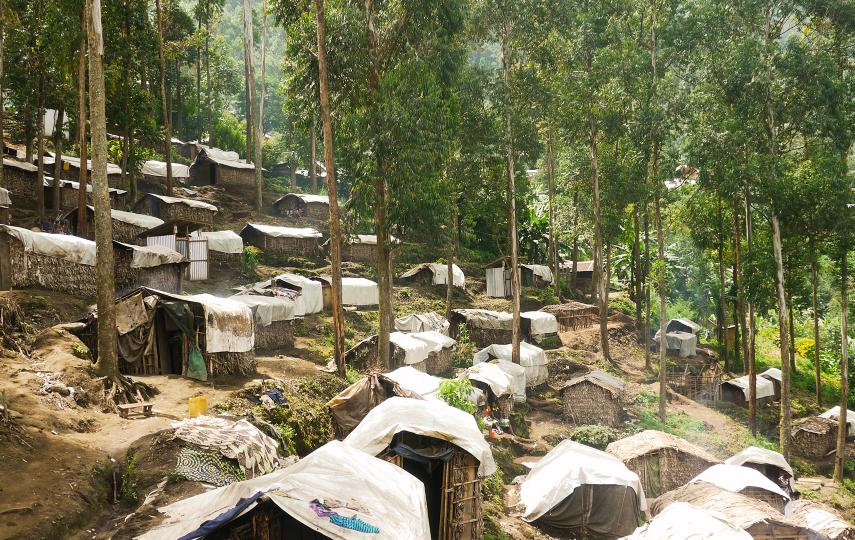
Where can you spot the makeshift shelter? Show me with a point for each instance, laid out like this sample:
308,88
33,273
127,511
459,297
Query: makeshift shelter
176,209
516,374
21,179
774,375
834,414
71,170
127,226
541,326
532,359
770,463
737,391
434,274
584,275
224,247
755,517
336,492
441,446
215,167
682,521
306,293
362,248
5,207
154,174
594,398
355,291
283,241
422,322
573,316
683,344
67,263
698,377
178,236
485,327
662,461
301,205
747,481
499,277
814,437
69,194
415,350
496,385
682,325
580,491
440,359
196,335
821,519
273,320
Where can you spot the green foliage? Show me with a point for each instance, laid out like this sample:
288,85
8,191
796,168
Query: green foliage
81,351
352,375
595,436
129,478
492,486
249,261
623,305
462,355
457,392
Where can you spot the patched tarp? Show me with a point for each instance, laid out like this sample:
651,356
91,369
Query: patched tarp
760,456
430,418
351,483
421,322
413,380
158,168
283,232
516,374
540,270
221,241
491,375
834,414
683,342
682,521
484,318
532,358
350,406
229,325
735,478
415,351
61,246
152,256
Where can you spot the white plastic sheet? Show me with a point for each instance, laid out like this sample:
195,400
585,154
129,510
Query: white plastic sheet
440,274
682,521
683,342
491,375
429,418
772,373
735,478
834,414
760,456
764,386
5,200
311,299
567,467
435,341
422,322
188,202
415,381
61,246
285,232
358,292
158,168
541,322
221,241
541,271
532,358
152,256
415,351
333,472
516,374
139,220
268,309
21,165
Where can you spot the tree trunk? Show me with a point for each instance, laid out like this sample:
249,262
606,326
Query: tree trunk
750,351
179,98
293,177
553,234
599,271
648,361
660,278
452,253
57,165
198,59
108,363
249,88
208,83
785,342
167,115
251,116
2,90
722,297
636,271
313,166
792,329
840,455
816,348
740,302
82,223
332,190
575,252
40,148
512,196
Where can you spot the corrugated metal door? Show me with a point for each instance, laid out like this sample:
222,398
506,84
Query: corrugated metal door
197,252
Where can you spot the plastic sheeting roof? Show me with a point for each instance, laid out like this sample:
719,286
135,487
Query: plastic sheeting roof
22,165
541,271
435,340
5,200
735,478
429,418
765,388
491,375
49,182
131,218
72,161
333,472
221,241
158,168
307,198
223,157
771,373
152,256
516,374
284,232
567,467
420,322
760,456
532,358
440,274
188,202
61,246
268,309
541,322
834,414
416,381
358,291
228,323
682,521
415,350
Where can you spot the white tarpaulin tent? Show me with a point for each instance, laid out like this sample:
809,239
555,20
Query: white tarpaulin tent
268,309
541,322
61,246
416,381
567,467
49,182
142,221
430,418
221,241
760,456
516,374
440,274
735,478
5,200
491,375
683,342
158,168
435,341
415,350
284,232
422,322
532,358
682,325
834,414
375,491
682,521
772,373
540,270
72,161
311,299
765,388
357,291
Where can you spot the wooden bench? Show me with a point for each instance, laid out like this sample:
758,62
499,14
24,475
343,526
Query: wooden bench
127,408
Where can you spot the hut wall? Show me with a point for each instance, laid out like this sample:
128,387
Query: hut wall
587,403
308,248
317,211
182,212
222,260
440,363
127,233
772,499
808,444
166,277
241,180
733,395
22,186
666,469
364,253
5,215
231,363
484,337
34,270
277,335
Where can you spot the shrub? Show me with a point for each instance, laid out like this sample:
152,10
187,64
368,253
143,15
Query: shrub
81,351
805,347
462,356
594,435
249,261
623,305
457,392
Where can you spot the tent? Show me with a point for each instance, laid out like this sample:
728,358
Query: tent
737,391
355,291
532,358
227,242
684,343
496,385
336,492
499,277
541,324
415,350
681,521
834,414
516,374
745,480
440,354
581,490
437,274
420,322
273,319
682,325
772,464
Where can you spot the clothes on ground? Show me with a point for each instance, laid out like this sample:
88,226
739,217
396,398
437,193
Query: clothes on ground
206,466
239,440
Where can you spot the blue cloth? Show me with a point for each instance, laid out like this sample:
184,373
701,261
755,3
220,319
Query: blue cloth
212,525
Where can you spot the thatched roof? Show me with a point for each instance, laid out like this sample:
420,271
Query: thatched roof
650,441
740,510
821,519
602,379
814,424
570,308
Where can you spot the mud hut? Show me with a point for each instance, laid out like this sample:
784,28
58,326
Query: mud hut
662,461
127,226
834,414
362,248
771,464
594,398
747,481
756,517
576,491
423,322
154,176
274,317
197,336
688,521
499,277
301,205
584,275
736,391
814,437
69,194
433,274
156,267
71,170
224,248
21,179
215,167
532,359
176,209
441,446
283,241
683,325
5,207
680,344
821,519
573,316
774,376
429,352
333,493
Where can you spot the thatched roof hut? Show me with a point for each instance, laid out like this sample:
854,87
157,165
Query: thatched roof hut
834,414
662,461
821,519
154,175
71,170
760,520
127,226
813,437
302,205
594,398
573,315
745,480
176,209
20,178
434,274
580,492
283,241
215,167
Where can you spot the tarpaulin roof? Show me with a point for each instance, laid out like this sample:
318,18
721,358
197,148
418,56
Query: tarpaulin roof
681,521
695,327
356,291
834,414
760,456
567,467
22,165
158,168
540,270
541,322
771,373
419,322
139,220
416,381
72,161
187,202
305,197
440,273
516,374
268,309
764,386
491,375
532,358
61,246
221,241
367,239
430,418
435,340
152,256
225,158
684,342
735,478
415,350
5,200
283,232
376,492
581,266
49,182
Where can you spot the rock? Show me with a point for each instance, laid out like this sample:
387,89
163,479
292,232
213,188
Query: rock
57,388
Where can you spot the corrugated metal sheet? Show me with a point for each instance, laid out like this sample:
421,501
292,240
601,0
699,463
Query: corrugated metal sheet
496,282
167,241
196,251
